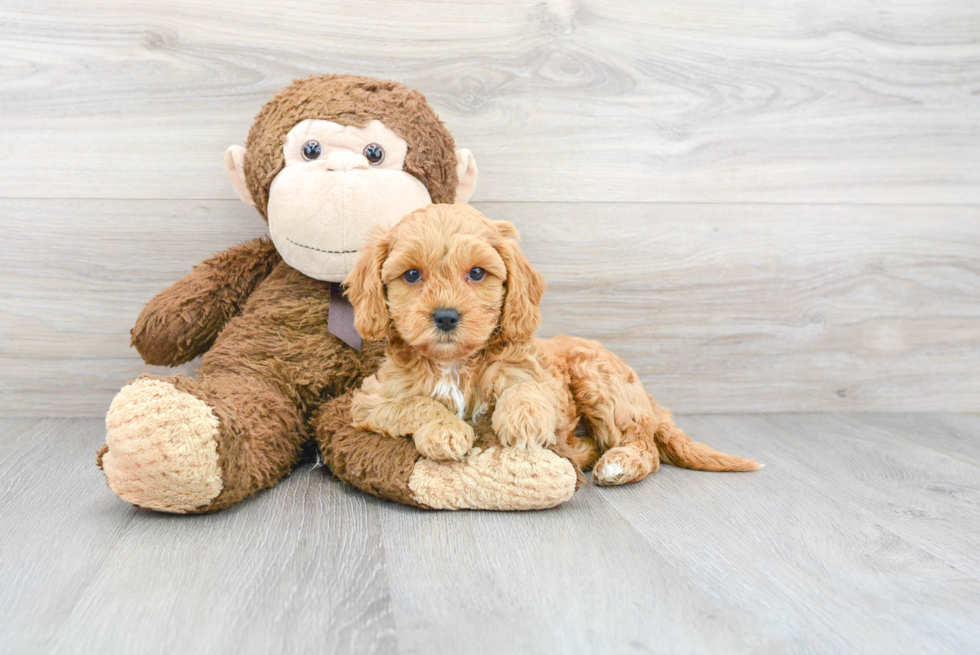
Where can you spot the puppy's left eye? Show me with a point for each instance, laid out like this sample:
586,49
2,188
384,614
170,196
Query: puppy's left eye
477,274
412,276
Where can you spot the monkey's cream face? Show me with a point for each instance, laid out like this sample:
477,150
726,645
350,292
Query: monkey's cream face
338,184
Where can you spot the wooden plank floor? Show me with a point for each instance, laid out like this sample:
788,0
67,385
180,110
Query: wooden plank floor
860,535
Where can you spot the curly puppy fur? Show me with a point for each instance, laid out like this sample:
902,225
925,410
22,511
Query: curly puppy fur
535,391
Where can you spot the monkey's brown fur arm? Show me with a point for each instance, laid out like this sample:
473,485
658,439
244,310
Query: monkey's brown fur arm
182,321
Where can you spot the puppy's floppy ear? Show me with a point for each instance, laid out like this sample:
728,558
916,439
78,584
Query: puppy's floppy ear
520,317
366,291
507,229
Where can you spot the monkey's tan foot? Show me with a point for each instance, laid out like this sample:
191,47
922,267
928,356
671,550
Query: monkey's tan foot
489,476
621,466
162,450
495,478
444,440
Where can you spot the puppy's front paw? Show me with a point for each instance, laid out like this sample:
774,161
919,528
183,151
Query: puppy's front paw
522,422
444,440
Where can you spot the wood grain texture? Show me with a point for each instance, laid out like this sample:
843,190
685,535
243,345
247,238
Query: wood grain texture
914,489
719,307
952,434
641,100
575,579
299,570
856,537
813,545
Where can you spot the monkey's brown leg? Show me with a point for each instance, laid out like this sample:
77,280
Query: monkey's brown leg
372,462
186,446
489,476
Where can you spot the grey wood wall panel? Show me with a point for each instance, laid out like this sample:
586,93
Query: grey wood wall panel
720,307
808,232
641,100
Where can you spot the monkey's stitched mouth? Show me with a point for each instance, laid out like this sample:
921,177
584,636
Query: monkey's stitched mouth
329,252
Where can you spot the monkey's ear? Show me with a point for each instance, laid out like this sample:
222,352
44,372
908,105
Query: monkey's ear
466,171
367,292
520,317
235,167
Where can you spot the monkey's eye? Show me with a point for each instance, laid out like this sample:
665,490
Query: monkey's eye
412,276
374,153
477,274
311,150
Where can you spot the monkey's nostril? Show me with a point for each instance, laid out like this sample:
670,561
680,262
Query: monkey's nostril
446,318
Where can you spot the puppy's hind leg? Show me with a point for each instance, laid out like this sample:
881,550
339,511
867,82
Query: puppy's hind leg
631,462
609,396
631,451
582,448
633,430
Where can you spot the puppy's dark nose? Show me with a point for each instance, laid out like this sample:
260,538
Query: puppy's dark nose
445,318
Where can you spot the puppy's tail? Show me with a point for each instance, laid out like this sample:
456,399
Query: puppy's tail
676,448
679,450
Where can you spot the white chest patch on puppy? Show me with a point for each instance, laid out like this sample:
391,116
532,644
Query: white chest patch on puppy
447,390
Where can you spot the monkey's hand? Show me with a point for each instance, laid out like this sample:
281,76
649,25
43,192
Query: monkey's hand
444,439
525,415
183,320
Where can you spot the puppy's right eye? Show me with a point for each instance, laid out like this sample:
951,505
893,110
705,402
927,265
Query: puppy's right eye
412,276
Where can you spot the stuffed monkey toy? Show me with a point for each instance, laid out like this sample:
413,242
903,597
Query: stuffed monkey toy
327,160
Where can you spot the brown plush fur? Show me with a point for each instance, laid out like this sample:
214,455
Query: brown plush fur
183,321
269,363
267,373
368,461
490,364
354,101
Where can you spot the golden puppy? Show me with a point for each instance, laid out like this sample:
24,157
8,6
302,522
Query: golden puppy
458,303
